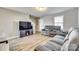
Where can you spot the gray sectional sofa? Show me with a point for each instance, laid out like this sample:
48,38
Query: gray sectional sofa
61,43
53,30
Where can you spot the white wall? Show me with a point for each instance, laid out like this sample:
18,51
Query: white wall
70,19
9,21
48,20
78,16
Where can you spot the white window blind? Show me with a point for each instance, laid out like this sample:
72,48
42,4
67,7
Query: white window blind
58,21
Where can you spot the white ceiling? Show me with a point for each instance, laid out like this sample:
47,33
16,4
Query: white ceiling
32,11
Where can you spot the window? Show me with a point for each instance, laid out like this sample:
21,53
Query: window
58,21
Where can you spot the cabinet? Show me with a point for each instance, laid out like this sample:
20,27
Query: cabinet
24,33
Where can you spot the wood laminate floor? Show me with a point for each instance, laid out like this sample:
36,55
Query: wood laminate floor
28,43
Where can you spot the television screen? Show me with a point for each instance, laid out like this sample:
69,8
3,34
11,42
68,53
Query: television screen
24,25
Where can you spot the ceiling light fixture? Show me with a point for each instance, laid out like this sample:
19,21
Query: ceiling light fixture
41,8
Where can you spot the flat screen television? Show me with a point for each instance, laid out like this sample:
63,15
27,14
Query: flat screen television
24,25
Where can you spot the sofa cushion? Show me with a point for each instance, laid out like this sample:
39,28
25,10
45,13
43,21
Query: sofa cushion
53,46
59,36
49,46
58,41
42,48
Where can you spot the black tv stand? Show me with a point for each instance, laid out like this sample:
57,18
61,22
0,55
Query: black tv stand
27,32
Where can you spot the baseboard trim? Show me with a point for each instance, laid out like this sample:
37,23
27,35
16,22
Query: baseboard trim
12,37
